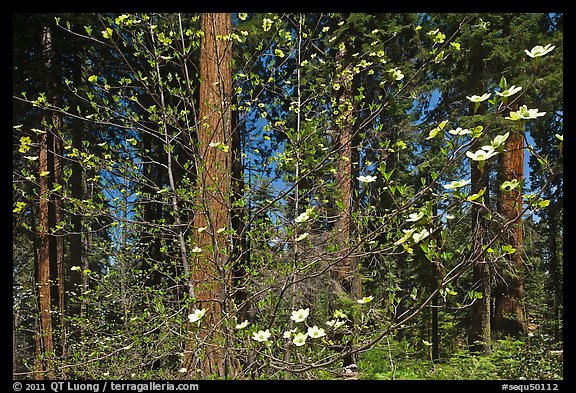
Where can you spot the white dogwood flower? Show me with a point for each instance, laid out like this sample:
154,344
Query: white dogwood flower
481,155
196,315
299,339
367,179
509,91
475,98
457,184
365,299
335,323
300,315
315,332
460,131
417,236
413,217
525,114
261,335
539,50
242,325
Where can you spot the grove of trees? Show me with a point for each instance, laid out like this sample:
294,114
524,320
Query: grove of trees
287,195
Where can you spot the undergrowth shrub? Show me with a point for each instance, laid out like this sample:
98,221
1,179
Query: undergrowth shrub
525,358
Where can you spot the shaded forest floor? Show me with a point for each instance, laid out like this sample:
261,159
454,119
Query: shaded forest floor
526,358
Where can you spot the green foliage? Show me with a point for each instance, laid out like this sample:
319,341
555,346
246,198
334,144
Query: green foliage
512,359
354,138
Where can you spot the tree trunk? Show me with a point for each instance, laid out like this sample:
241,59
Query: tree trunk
211,270
554,263
38,363
435,332
153,176
436,279
55,215
480,336
43,268
509,315
345,273
58,235
76,254
15,323
240,247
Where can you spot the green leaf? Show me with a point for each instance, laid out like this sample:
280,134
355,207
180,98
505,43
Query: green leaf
435,131
473,197
508,249
107,33
19,207
477,132
25,142
509,185
387,175
407,235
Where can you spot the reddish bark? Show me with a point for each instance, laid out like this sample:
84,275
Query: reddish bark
509,315
210,271
346,271
43,263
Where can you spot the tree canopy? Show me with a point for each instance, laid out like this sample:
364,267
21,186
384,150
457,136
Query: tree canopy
287,196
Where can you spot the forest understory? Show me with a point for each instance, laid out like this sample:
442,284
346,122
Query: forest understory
287,196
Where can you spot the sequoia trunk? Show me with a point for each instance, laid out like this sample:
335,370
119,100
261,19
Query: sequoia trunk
509,315
211,268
